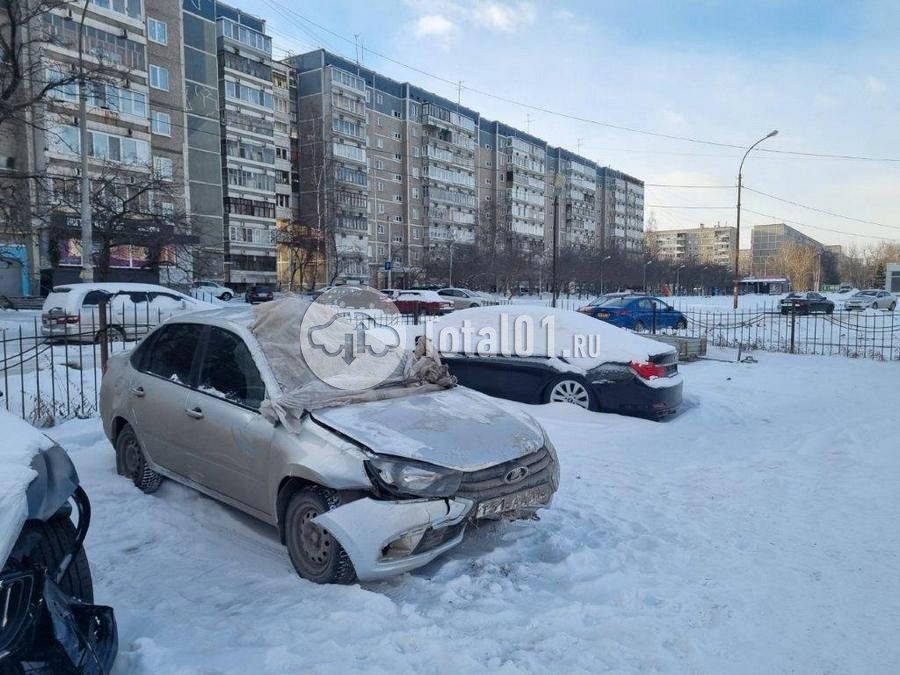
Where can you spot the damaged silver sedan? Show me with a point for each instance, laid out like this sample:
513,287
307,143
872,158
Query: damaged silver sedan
362,482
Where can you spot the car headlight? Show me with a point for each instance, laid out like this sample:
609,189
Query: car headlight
405,477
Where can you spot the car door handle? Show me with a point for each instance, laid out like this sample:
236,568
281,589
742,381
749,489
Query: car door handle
194,412
137,391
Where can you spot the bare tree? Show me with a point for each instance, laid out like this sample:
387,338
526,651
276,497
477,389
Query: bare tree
799,263
135,210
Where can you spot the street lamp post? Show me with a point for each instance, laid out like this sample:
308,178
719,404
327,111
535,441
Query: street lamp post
87,226
678,277
646,265
558,183
737,245
602,260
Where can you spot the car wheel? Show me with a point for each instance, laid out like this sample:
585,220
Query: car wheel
314,552
130,456
830,310
681,324
474,304
570,390
225,297
639,327
46,544
892,307
113,334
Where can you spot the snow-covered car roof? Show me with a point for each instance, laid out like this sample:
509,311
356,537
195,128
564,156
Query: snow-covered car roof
613,344
430,296
114,286
21,442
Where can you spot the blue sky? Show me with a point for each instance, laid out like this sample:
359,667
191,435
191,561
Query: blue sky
826,75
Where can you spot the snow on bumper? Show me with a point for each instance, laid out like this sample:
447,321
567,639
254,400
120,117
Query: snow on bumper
384,538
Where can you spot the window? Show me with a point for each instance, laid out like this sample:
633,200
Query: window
157,31
396,113
380,142
415,213
398,219
398,177
415,172
159,77
398,198
130,8
379,98
415,192
398,156
164,167
172,352
228,370
379,164
416,151
284,201
397,136
160,123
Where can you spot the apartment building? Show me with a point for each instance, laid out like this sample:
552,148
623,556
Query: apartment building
405,175
767,243
137,146
621,205
707,245
250,145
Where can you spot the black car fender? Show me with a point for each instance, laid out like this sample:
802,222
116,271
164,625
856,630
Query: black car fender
55,483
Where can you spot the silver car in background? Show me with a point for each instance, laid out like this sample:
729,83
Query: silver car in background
463,298
871,298
362,490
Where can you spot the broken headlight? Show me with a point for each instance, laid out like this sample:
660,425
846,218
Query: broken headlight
403,477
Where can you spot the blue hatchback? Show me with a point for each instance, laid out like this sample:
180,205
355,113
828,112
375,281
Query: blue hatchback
636,312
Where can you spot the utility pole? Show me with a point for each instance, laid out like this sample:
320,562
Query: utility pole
558,182
602,260
87,225
737,246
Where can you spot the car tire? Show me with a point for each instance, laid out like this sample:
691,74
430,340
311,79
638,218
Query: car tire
639,326
225,297
474,304
570,389
130,457
46,544
681,324
830,310
314,552
892,307
113,334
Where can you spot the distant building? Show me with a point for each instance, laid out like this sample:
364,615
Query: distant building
767,242
706,245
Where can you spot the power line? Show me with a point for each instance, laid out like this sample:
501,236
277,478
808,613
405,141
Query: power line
672,185
455,83
823,211
779,219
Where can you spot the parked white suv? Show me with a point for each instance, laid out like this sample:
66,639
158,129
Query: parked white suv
72,310
360,484
213,289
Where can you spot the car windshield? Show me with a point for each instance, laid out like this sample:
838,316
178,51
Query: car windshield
864,294
263,289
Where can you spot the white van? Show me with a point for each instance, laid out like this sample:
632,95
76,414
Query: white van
72,310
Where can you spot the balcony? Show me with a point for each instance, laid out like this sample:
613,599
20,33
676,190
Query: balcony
434,115
245,36
349,81
349,106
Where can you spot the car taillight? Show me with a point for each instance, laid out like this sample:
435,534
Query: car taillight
69,318
648,370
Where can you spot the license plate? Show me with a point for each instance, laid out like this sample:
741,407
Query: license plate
603,315
518,500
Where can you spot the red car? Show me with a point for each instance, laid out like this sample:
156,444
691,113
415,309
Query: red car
421,302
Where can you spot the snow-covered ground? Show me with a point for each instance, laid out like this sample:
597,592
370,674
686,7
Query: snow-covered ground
755,532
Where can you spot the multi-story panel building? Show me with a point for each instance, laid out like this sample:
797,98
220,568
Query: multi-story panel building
767,243
203,150
248,146
392,172
706,245
621,206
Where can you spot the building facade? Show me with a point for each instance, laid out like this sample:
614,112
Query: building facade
390,172
705,245
767,243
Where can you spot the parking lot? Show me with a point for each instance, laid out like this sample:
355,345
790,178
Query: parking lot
755,531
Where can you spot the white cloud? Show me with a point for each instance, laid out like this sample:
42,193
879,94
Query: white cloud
434,25
875,86
505,17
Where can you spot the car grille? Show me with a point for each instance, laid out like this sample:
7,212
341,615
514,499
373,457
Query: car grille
15,598
491,482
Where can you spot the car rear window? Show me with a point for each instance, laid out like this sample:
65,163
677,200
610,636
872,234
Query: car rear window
615,302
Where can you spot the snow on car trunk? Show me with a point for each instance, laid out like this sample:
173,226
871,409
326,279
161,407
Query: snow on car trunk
572,340
20,443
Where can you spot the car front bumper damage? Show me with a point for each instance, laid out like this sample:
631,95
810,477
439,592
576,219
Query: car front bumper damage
385,538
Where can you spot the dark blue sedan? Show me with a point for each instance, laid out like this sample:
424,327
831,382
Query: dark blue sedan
636,312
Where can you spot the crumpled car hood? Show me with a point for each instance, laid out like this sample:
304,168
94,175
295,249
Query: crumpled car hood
457,428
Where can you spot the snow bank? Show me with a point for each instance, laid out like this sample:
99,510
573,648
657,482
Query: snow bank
580,341
20,443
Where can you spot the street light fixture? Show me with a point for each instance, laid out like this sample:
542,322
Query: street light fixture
602,260
559,182
737,243
678,277
646,265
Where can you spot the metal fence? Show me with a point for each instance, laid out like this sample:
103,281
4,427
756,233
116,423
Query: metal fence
869,334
